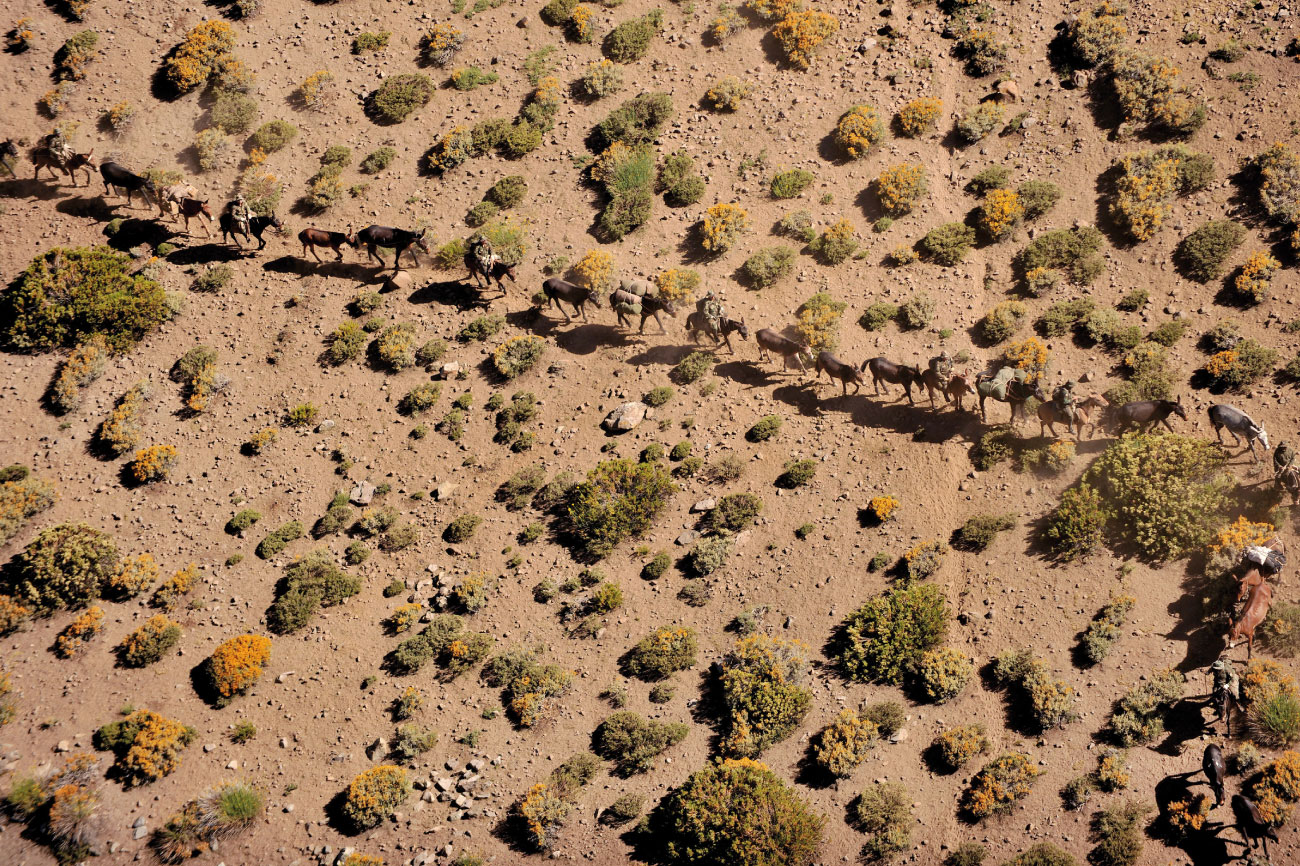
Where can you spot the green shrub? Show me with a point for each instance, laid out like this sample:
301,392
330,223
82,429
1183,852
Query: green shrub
1105,628
64,566
1001,323
378,160
336,519
1202,253
274,135
990,178
1051,701
633,742
399,96
637,121
1138,716
998,785
661,653
1042,854
797,473
887,633
518,355
836,243
278,540
790,183
481,213
1117,832
1168,333
1274,719
310,582
916,312
619,499
760,820
949,243
1281,629
761,681
709,555
233,112
979,121
363,42
507,192
1074,251
769,265
1038,197
148,643
692,367
629,41
955,746
68,295
978,532
966,854
884,812
471,77
764,428
942,673
879,314
461,529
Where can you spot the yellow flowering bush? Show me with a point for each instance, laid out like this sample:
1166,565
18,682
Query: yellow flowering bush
395,345
817,320
148,745
919,115
1277,787
12,614
1188,816
763,691
595,270
1242,533
1221,363
237,664
148,643
1000,213
543,811
374,795
723,225
1060,454
955,746
1144,192
727,24
1279,182
924,559
773,10
21,499
860,129
845,742
900,187
677,284
441,43
998,785
518,355
1256,276
1263,678
882,507
404,617
454,148
134,576
262,439
728,93
207,47
582,23
176,587
800,34
84,365
317,90
1030,354
79,632
153,463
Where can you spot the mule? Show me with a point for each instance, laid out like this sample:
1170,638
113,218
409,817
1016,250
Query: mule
1215,770
770,341
400,240
697,324
1224,703
9,157
578,297
1254,613
1251,824
1289,480
1049,415
311,238
953,391
885,370
1239,424
1145,414
43,158
623,303
837,369
256,226
499,271
191,208
1251,574
169,198
118,178
1016,394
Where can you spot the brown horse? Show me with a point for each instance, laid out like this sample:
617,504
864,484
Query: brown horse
770,341
696,324
9,157
311,238
43,158
499,269
1289,480
956,388
1251,575
837,369
1145,414
191,208
556,290
1252,615
1017,394
1049,415
885,370
624,304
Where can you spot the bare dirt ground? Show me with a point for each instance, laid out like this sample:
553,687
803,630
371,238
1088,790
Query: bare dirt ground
313,718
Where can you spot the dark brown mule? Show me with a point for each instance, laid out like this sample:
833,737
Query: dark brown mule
399,240
651,305
256,227
578,297
885,370
1017,395
1216,771
311,238
43,158
1251,824
1289,480
1145,414
770,341
696,324
837,369
1250,575
119,179
500,270
192,208
9,157
954,390
1049,415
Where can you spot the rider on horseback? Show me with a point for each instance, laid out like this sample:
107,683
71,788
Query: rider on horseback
711,309
1225,678
1063,398
941,366
241,213
1283,459
481,247
59,146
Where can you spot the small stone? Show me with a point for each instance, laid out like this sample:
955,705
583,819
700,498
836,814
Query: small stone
233,765
687,537
140,832
63,746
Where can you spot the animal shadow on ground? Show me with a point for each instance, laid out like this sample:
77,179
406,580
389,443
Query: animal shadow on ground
89,207
205,254
800,396
1203,848
26,187
134,232
1183,722
451,293
667,353
746,373
1197,626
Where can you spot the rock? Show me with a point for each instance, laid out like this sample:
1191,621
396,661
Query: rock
625,417
327,424
444,784
378,749
444,490
477,765
450,370
233,765
363,493
704,505
899,736
1085,376
1008,90
288,808
398,281
687,537
140,832
63,746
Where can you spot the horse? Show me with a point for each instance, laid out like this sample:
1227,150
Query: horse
770,341
189,208
885,370
624,303
9,151
258,224
1017,393
1254,613
837,369
578,297
1239,424
1049,415
697,324
1250,824
1215,771
43,158
311,238
1252,574
400,240
957,386
499,269
118,178
1289,480
1224,703
172,195
1145,414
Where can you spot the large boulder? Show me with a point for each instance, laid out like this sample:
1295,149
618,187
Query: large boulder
625,417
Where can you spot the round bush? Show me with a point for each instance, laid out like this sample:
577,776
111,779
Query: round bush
943,673
400,95
883,636
65,566
619,499
374,795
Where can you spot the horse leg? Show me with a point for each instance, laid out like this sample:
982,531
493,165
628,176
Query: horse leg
727,339
314,254
338,251
907,386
